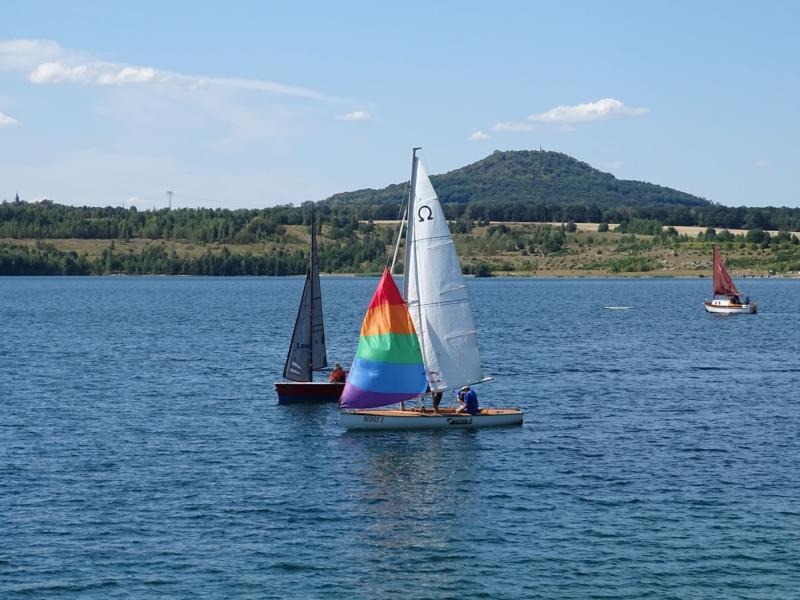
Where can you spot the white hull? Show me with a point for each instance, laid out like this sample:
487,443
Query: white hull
726,307
416,419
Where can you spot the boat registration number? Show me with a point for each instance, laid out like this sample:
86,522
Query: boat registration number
459,421
373,419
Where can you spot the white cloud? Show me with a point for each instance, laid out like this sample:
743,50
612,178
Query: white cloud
356,115
512,126
6,121
24,54
761,163
255,85
46,62
55,72
477,136
605,108
615,164
127,75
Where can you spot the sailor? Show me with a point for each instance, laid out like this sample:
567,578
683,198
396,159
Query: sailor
338,375
437,398
469,401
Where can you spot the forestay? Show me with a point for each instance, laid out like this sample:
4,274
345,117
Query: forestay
436,294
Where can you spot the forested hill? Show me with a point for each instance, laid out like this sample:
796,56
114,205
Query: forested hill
531,177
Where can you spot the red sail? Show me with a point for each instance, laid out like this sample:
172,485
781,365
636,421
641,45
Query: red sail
723,285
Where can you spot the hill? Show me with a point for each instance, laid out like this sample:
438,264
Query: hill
531,177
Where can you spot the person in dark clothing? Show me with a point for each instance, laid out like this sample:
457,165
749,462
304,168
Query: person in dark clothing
437,398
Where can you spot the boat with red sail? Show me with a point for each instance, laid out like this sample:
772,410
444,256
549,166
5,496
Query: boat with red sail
726,297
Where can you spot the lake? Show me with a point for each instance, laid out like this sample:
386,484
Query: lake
143,454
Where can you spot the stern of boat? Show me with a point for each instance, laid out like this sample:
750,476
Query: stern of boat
308,392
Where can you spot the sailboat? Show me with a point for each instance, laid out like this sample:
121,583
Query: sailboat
307,349
726,298
423,341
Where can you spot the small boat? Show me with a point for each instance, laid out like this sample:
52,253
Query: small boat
307,349
726,298
423,341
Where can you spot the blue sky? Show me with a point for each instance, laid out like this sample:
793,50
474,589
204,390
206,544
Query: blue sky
251,104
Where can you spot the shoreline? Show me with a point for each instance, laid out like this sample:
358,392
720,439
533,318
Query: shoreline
499,275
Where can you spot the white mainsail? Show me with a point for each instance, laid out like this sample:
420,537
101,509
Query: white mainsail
436,294
307,351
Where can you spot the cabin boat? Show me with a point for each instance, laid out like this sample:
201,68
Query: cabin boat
726,298
730,306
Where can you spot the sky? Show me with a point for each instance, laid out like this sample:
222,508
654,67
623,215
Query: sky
252,104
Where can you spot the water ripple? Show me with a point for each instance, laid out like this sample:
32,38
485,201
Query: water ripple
143,455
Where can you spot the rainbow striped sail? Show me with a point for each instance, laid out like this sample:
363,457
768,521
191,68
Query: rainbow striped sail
388,365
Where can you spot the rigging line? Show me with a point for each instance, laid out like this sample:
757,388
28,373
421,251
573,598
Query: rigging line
397,246
442,302
398,229
436,237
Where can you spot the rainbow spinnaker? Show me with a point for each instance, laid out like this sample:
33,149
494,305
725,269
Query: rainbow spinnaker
388,366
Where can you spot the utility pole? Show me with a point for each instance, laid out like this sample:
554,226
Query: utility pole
169,196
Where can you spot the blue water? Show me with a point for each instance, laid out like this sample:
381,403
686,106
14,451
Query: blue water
142,453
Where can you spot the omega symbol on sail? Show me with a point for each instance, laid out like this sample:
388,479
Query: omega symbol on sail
422,210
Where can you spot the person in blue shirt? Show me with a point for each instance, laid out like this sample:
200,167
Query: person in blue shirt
469,401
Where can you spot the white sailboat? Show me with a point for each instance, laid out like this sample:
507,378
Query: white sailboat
438,305
307,349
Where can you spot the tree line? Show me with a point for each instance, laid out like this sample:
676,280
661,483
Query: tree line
48,220
368,252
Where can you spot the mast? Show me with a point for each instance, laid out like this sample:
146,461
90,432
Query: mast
410,222
714,269
311,253
319,357
411,248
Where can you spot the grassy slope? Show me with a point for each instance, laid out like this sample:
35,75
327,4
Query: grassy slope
586,253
